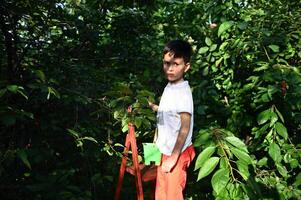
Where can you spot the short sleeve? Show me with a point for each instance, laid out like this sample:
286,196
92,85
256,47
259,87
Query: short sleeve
184,101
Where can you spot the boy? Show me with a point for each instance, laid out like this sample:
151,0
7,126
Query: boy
174,122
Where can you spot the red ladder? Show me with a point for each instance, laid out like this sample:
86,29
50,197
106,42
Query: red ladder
139,171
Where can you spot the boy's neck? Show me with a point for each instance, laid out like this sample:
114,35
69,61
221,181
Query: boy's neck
176,81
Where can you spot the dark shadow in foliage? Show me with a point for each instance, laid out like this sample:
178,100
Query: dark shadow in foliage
257,190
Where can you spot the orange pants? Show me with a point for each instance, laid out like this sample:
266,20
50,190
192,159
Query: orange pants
170,186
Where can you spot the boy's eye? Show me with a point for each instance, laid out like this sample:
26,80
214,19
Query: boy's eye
166,63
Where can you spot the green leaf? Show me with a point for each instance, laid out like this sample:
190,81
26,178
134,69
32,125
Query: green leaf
73,133
241,155
294,163
279,114
208,41
237,143
116,114
125,128
53,91
224,26
264,116
263,161
223,46
203,157
203,50
275,153
275,48
243,169
137,121
298,180
273,118
213,47
22,93
208,167
12,88
219,180
23,156
281,130
40,74
223,162
90,139
282,170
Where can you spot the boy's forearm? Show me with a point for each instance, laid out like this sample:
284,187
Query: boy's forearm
183,133
179,143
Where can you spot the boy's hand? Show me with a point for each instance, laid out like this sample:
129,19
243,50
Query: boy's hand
169,163
154,107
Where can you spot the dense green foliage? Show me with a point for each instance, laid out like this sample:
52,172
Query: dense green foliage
69,70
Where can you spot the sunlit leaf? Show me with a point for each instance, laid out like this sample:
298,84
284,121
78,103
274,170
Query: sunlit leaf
241,155
208,41
282,170
203,50
243,169
204,156
237,143
220,179
275,48
208,167
263,161
224,26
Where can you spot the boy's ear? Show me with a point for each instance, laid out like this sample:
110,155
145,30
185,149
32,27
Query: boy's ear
187,67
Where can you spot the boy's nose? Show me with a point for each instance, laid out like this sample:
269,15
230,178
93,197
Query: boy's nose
170,68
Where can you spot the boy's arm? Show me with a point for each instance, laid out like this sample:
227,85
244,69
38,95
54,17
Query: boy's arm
184,130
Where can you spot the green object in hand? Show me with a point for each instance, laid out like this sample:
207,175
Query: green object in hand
151,154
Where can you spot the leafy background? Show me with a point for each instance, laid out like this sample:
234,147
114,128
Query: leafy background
70,68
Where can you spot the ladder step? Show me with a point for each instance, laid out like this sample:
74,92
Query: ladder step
148,172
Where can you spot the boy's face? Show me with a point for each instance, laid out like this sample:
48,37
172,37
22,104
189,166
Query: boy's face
174,68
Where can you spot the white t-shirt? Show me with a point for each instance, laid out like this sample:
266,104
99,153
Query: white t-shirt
175,99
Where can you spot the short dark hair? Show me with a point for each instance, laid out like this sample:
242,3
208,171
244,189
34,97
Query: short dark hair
180,49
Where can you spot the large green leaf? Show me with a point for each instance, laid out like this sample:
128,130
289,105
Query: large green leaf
264,116
203,50
203,157
241,155
274,152
208,167
243,169
220,179
224,26
281,130
282,170
237,143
